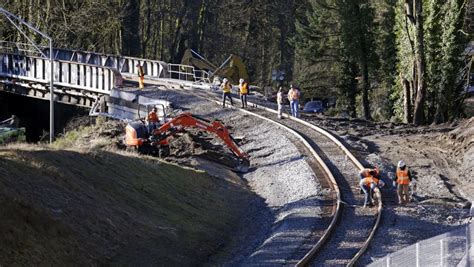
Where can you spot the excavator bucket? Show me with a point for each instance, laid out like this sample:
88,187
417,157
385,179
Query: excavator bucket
243,166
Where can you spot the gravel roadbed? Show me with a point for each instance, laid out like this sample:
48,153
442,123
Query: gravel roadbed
293,201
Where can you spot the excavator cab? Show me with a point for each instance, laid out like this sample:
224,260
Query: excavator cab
233,68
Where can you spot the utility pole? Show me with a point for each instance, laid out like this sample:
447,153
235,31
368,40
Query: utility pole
19,21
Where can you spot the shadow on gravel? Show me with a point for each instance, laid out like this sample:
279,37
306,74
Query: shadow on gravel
450,186
295,224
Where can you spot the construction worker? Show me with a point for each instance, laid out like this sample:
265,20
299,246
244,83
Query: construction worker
366,172
402,178
152,120
244,90
294,97
226,89
280,102
368,184
141,76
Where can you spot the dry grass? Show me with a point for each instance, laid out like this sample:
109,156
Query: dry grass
80,202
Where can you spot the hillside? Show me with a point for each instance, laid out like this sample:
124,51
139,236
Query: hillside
98,206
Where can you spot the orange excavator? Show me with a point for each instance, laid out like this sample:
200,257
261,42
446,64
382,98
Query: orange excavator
156,142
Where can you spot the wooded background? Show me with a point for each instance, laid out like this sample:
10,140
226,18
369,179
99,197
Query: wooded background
381,59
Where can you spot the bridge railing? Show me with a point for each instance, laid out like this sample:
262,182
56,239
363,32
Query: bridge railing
181,72
80,66
126,65
66,74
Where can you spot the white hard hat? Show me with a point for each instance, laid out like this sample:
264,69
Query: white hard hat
241,80
401,164
225,80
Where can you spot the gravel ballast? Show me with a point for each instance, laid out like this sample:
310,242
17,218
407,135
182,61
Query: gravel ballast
279,174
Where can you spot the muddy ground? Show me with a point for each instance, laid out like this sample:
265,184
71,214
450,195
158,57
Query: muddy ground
441,158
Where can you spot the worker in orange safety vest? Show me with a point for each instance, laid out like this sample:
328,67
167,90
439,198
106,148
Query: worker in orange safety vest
402,179
244,90
368,184
141,76
152,120
367,171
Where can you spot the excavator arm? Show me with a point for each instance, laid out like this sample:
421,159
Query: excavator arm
187,120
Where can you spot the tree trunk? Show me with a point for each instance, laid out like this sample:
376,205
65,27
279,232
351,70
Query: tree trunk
406,100
419,115
130,28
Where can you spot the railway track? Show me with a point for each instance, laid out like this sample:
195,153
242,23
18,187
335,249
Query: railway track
352,227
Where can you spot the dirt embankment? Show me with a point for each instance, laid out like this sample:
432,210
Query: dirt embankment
91,204
440,156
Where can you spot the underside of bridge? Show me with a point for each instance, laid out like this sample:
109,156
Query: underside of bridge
33,114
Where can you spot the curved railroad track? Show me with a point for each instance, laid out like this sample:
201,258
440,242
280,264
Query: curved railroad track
356,225
352,227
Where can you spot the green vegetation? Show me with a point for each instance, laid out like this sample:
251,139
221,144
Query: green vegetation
386,59
8,134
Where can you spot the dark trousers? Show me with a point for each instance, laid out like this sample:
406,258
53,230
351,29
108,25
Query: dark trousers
224,96
243,98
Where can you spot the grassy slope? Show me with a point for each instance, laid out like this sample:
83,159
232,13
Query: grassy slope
61,206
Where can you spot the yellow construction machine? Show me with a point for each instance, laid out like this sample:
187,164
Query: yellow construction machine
233,67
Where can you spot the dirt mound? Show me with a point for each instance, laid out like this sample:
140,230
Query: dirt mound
87,208
459,144
440,157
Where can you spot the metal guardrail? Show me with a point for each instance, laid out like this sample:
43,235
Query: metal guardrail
66,74
450,249
125,65
181,72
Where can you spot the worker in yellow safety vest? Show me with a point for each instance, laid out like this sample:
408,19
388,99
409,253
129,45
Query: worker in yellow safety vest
402,179
226,92
244,90
141,76
368,184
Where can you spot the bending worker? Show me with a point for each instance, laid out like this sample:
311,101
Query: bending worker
226,88
402,178
368,185
366,172
244,90
141,76
152,120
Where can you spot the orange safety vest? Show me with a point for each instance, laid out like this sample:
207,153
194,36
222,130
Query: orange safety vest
368,180
402,176
152,117
244,89
141,72
294,94
226,88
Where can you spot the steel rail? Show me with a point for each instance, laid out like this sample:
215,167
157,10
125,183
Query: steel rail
307,259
